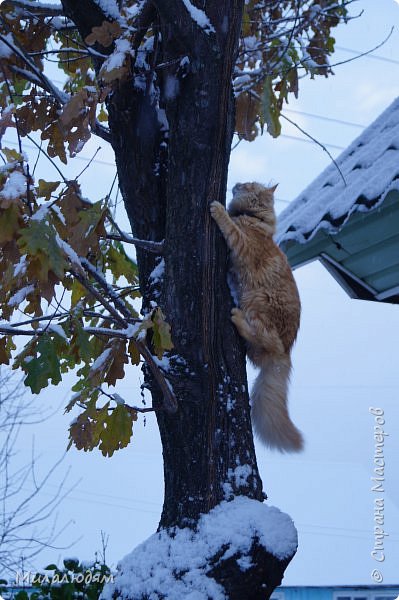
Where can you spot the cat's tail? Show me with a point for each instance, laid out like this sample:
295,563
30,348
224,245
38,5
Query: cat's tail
270,417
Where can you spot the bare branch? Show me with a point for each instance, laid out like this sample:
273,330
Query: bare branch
316,142
21,517
101,131
155,247
39,147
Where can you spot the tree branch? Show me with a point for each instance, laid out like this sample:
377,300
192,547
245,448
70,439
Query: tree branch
38,8
169,398
149,245
155,247
101,131
35,76
143,21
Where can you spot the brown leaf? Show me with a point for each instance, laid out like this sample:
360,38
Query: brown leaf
247,111
105,34
117,367
6,120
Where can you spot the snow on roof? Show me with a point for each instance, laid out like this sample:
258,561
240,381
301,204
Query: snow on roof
370,167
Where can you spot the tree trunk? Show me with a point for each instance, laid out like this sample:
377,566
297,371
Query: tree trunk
168,181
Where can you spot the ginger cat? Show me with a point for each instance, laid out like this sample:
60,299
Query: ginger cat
269,313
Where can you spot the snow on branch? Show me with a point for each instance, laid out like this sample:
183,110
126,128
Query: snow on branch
122,313
38,8
34,75
155,247
121,236
109,8
199,17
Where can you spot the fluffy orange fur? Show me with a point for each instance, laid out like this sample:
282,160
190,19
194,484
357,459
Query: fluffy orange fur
269,307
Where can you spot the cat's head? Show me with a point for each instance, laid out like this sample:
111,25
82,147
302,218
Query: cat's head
254,199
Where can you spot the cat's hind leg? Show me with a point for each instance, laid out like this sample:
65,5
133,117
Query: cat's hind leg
256,334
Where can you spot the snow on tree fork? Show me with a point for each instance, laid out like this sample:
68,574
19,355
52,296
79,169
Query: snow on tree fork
238,551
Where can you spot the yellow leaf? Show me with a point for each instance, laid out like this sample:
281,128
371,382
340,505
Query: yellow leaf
46,188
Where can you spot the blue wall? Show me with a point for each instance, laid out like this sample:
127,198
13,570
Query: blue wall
327,593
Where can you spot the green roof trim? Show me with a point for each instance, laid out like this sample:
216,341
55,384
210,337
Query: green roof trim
363,253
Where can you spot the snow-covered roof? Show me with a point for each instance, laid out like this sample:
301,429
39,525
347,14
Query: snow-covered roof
370,167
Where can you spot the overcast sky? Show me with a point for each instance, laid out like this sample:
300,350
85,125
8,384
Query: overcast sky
345,361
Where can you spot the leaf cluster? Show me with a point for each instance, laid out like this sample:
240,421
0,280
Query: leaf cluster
77,292
281,42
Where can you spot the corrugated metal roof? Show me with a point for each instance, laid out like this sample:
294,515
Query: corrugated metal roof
370,167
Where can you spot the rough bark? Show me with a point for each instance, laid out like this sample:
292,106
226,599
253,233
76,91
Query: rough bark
167,185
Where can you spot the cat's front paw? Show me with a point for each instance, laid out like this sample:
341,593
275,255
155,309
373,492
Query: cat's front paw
237,315
216,208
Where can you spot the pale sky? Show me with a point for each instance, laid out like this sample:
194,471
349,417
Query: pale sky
345,361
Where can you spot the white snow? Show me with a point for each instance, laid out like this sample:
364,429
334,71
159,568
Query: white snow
100,361
69,251
163,363
20,268
15,186
55,328
199,16
158,271
175,567
131,330
240,475
172,87
42,211
19,296
117,58
370,166
109,8
5,51
56,209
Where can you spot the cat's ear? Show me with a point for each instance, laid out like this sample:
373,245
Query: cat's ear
273,189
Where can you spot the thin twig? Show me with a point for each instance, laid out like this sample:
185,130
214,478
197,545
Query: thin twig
316,142
88,164
39,147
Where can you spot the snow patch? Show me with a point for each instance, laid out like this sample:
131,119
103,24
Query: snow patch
101,360
55,328
174,564
117,58
56,209
158,271
42,211
20,268
199,16
68,250
15,186
5,51
240,475
109,8
19,297
172,87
